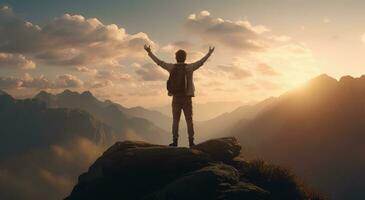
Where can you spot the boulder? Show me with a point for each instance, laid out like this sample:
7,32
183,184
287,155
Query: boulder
222,149
134,169
215,181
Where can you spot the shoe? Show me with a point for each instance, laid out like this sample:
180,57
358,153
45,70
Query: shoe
191,143
174,144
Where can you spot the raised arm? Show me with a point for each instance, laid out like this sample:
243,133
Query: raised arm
194,66
166,66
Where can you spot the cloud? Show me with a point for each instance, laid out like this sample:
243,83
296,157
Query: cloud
295,63
238,35
68,40
150,72
105,74
147,89
62,81
27,81
101,84
281,38
59,182
144,93
109,74
95,54
268,85
9,83
86,70
234,72
213,83
49,172
193,53
265,69
8,60
68,81
177,45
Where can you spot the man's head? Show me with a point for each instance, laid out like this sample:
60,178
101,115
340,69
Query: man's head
180,55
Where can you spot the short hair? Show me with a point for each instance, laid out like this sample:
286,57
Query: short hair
180,55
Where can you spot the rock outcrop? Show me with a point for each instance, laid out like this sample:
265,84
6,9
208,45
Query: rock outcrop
139,170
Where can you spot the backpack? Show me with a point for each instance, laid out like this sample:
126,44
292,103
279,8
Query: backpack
177,83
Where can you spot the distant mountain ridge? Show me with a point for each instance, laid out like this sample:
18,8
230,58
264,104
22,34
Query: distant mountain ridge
127,123
156,117
317,130
3,93
27,124
205,111
226,121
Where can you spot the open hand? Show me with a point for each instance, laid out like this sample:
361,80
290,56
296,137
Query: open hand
147,48
211,49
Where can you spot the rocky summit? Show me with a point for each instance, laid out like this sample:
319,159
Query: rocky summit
210,170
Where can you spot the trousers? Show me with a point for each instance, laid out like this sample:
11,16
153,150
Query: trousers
182,103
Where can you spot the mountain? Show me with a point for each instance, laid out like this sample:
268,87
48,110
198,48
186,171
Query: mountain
42,150
205,111
225,122
210,170
127,123
3,93
26,124
317,130
157,118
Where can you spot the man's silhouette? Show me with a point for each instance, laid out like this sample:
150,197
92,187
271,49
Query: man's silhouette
181,86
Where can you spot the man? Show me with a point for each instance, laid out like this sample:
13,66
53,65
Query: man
181,99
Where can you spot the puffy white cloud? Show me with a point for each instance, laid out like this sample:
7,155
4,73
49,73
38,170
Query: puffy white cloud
86,45
69,40
239,35
68,81
10,60
27,81
86,70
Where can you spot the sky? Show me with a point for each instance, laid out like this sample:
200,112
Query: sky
263,47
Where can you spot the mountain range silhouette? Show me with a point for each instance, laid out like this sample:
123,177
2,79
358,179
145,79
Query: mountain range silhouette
28,124
127,123
316,130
